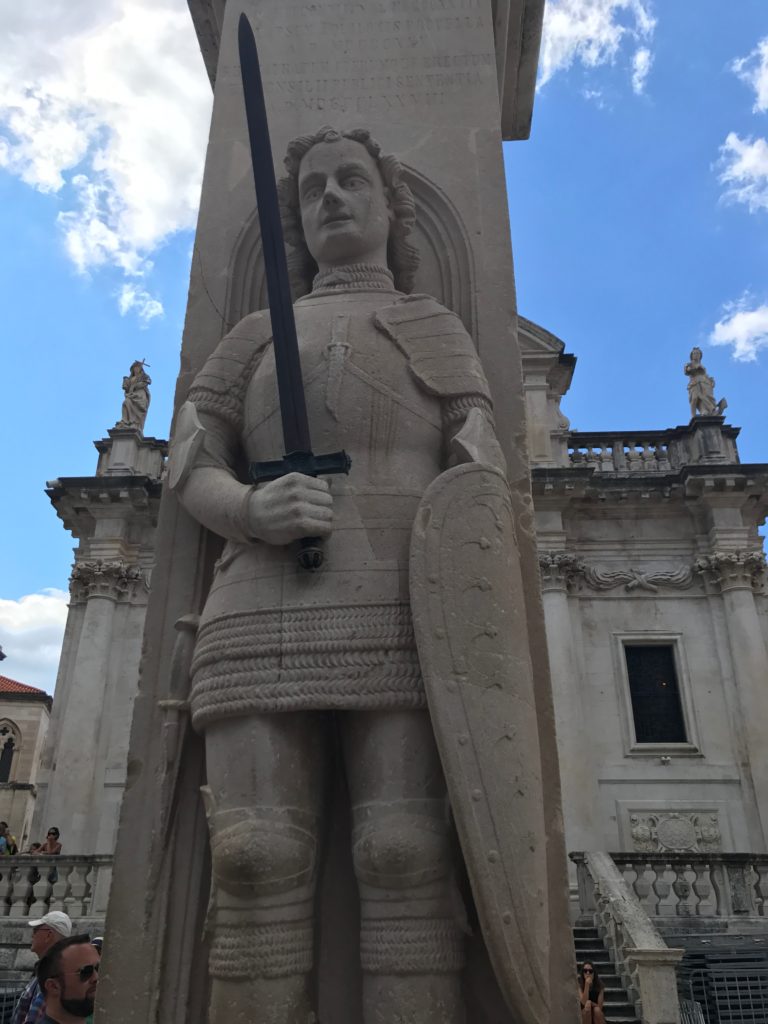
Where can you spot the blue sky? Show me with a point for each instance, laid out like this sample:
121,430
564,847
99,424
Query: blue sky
639,212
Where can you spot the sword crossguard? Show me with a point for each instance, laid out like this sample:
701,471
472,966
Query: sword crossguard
311,551
299,462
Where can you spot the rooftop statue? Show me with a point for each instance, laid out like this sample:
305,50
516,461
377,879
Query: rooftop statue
405,655
137,397
701,388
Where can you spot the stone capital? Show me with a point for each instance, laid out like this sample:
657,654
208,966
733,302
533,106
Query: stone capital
558,569
732,570
114,580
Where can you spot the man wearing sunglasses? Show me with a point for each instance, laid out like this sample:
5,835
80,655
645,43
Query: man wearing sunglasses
68,975
46,932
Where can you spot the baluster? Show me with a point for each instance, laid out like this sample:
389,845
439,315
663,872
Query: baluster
41,889
663,889
630,873
681,887
720,887
662,458
644,888
702,886
648,455
607,464
19,893
58,876
78,890
634,462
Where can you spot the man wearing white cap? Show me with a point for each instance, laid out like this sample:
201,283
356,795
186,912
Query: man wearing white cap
46,932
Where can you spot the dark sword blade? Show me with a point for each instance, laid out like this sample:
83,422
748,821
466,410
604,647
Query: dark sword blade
293,409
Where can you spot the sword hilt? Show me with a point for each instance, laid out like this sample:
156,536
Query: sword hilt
310,554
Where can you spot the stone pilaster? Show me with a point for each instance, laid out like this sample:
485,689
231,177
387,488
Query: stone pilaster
736,575
74,789
577,774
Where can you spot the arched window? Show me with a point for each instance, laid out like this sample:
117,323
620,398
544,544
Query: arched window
9,745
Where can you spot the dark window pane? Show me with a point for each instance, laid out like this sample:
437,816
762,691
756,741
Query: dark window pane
655,694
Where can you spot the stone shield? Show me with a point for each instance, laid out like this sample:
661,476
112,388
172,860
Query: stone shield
469,617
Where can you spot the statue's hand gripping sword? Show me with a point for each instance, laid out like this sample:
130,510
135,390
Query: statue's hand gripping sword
299,457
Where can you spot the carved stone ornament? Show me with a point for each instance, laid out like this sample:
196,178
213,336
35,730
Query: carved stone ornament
559,569
115,580
731,570
675,831
562,569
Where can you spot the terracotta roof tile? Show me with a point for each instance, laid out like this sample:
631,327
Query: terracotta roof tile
12,686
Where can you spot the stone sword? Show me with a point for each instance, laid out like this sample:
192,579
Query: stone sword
299,457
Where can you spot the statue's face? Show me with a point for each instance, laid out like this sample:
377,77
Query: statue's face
345,209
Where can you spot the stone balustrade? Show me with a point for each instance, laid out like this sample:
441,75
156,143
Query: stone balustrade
697,885
643,960
30,885
637,453
706,440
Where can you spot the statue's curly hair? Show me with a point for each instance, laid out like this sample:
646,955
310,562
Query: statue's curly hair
402,257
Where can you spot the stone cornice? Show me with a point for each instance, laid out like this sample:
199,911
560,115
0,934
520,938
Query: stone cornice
733,570
114,580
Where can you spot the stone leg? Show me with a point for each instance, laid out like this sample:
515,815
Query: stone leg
411,942
266,778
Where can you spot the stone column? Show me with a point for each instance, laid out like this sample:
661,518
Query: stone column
76,777
577,775
735,575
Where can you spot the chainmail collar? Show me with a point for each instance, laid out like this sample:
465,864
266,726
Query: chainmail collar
354,277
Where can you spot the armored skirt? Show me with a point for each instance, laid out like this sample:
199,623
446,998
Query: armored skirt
274,637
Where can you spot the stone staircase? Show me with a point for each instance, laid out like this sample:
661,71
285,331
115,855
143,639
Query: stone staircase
589,946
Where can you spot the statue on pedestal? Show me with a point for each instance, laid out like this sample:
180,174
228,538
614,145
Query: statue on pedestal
137,397
289,665
701,388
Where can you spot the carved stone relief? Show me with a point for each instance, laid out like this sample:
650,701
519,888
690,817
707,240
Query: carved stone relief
675,831
561,568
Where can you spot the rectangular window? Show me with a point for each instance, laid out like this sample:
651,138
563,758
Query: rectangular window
656,707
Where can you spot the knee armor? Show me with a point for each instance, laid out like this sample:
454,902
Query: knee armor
401,849
257,854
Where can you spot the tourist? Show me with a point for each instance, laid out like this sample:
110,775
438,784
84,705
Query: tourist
46,932
591,994
51,844
11,846
68,975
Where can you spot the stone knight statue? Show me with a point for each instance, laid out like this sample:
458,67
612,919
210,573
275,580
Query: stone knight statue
289,666
137,397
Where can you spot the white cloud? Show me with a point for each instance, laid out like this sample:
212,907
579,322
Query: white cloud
594,32
133,297
744,325
107,104
641,66
753,70
31,633
744,171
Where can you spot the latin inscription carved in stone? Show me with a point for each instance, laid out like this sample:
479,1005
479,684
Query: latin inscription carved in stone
380,64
